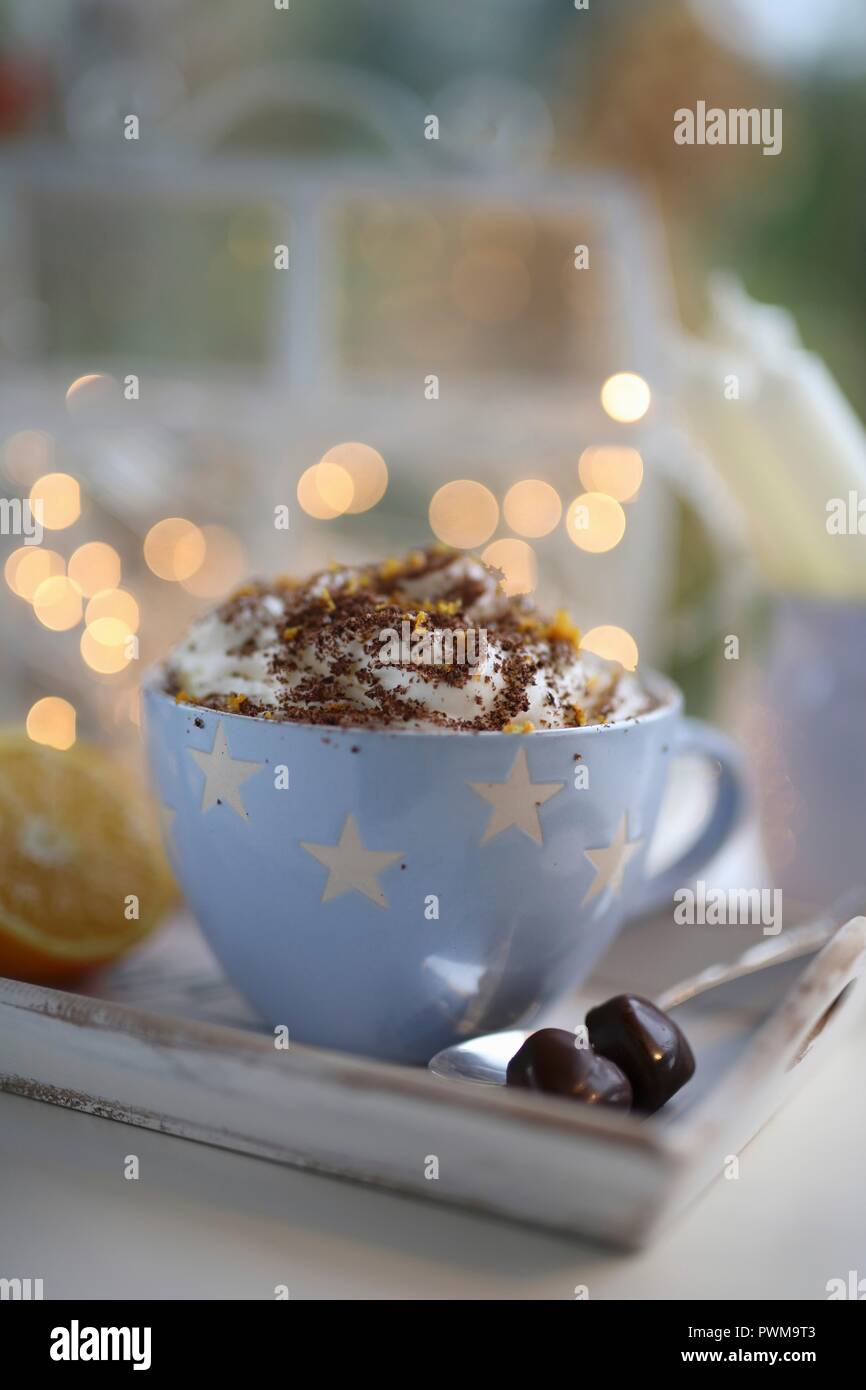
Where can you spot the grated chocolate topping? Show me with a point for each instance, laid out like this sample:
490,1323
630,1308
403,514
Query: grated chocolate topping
461,653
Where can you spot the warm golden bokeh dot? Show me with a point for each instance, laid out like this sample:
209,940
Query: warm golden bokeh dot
517,561
56,500
366,470
109,632
595,522
106,659
116,606
174,548
626,397
325,491
94,566
26,568
93,391
52,721
57,603
334,486
223,567
614,643
612,468
28,454
532,508
463,514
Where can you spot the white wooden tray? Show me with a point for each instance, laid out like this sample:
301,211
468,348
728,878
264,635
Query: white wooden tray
164,1042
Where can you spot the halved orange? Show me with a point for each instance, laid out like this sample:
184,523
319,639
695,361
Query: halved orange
82,876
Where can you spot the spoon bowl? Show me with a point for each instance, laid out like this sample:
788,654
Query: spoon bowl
483,1060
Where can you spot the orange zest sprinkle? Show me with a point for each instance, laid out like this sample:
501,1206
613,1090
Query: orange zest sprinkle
562,629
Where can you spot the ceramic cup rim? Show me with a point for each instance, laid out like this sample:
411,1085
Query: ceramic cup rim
668,695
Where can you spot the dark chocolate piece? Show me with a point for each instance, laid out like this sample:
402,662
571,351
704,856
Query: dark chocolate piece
645,1044
551,1061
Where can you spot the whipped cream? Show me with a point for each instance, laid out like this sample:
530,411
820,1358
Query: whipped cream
427,642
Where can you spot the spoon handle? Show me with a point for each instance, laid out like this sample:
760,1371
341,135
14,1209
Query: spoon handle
804,940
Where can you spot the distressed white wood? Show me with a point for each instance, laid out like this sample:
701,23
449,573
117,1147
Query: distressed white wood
526,1157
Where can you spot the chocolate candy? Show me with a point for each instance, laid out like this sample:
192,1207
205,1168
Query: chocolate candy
645,1044
550,1061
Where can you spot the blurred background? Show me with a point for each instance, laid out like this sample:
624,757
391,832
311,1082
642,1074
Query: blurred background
281,285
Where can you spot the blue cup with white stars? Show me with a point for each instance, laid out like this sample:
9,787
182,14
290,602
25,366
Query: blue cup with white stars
391,892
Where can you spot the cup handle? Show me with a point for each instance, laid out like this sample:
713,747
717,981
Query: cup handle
694,737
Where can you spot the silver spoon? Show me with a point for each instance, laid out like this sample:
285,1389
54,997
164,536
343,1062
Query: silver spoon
485,1059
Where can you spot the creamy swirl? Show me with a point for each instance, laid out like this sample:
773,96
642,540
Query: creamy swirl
427,642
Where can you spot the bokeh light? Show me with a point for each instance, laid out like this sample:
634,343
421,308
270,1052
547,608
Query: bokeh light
595,522
612,468
174,548
59,497
94,566
366,470
463,514
113,606
626,397
109,632
105,658
223,567
92,392
26,568
57,603
28,454
532,508
613,643
52,721
335,486
325,491
518,563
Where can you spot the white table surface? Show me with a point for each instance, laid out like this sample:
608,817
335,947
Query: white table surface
204,1223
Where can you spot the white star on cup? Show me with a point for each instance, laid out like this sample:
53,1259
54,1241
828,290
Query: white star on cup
516,801
610,862
223,774
351,867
